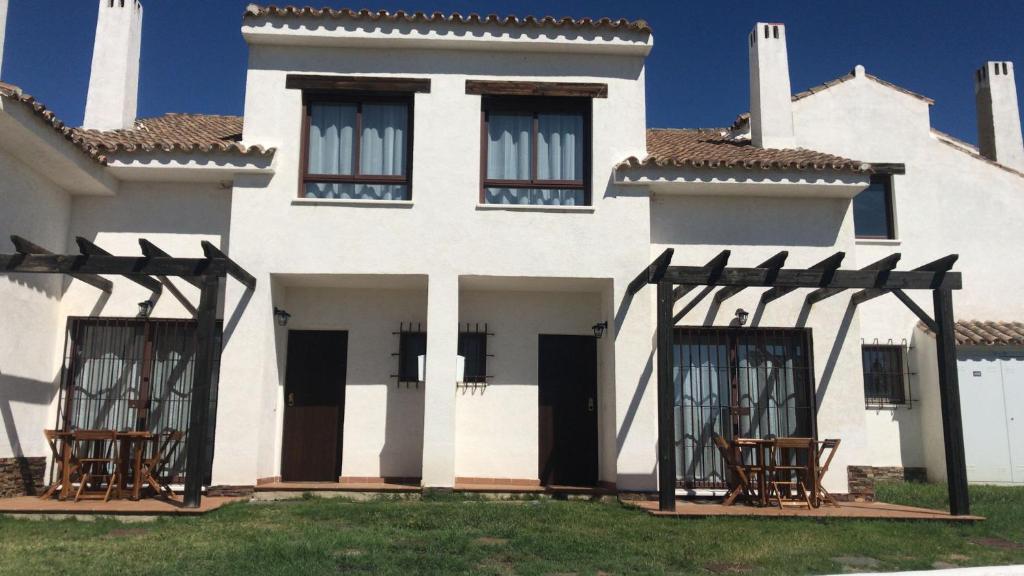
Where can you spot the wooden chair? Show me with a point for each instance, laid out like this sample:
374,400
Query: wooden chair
794,477
742,474
63,461
153,465
826,451
97,454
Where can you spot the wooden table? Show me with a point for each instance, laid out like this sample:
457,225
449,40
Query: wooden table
760,447
138,441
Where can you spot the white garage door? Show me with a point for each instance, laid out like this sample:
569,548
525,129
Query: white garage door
992,404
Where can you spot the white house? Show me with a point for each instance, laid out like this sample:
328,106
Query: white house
441,215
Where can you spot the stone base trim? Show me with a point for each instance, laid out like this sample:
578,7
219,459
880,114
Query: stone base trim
270,480
234,491
476,480
22,476
862,479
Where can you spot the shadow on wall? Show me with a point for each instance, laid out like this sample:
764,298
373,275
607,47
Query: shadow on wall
401,455
23,391
729,221
837,348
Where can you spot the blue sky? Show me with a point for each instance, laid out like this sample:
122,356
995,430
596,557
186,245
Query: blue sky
194,57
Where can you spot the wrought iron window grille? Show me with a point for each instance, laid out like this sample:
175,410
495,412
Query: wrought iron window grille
411,344
474,349
887,374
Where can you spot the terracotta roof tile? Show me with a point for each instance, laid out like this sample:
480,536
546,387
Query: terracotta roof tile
640,26
716,148
13,93
169,133
173,133
981,333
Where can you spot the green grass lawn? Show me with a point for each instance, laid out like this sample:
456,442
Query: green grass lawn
455,535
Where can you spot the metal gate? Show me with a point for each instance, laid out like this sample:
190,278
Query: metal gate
737,382
134,374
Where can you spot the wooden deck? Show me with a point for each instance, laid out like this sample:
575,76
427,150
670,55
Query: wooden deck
862,510
31,505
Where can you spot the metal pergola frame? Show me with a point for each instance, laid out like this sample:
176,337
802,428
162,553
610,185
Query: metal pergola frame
151,271
826,279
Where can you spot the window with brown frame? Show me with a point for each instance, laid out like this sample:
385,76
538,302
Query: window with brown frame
884,375
357,146
535,151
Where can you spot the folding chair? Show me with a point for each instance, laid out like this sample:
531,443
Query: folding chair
826,449
154,464
59,443
794,477
743,475
97,454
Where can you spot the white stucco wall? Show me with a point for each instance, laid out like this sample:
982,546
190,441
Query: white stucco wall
32,334
497,425
947,202
443,235
383,421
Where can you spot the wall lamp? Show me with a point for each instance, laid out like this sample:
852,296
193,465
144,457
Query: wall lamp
145,308
599,328
741,316
281,316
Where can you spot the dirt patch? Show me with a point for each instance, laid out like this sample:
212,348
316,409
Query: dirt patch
957,558
940,565
728,568
998,543
125,533
856,563
491,541
350,553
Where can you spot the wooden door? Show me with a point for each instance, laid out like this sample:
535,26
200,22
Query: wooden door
314,410
568,410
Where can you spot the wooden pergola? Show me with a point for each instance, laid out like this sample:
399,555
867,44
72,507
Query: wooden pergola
826,279
150,271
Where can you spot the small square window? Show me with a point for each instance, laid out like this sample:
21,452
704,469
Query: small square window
872,210
884,375
411,346
473,347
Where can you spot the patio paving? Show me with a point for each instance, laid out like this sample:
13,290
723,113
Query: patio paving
876,510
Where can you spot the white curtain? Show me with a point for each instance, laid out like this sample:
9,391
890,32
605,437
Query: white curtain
331,128
701,375
508,146
560,147
382,148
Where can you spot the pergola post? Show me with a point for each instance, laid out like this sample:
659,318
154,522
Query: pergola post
949,400
195,442
666,408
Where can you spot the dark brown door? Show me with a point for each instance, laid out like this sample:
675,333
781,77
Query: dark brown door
314,410
568,410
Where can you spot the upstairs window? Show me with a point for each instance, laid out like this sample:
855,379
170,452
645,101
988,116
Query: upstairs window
473,347
884,375
411,345
536,151
872,210
357,148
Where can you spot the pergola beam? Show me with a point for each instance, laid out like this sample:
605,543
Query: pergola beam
652,274
771,268
88,248
881,267
714,267
917,310
940,266
26,249
841,279
113,265
150,250
828,265
236,271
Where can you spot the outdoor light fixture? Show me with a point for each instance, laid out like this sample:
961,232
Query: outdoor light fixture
741,316
281,316
599,329
145,308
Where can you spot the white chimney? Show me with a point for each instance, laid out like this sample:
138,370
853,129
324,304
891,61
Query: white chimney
999,136
3,33
771,100
114,83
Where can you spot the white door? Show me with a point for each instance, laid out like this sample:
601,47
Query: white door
986,443
1013,394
